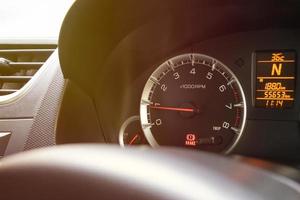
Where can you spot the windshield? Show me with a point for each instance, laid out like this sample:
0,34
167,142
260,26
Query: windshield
25,20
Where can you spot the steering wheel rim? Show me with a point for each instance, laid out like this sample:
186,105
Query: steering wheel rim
109,172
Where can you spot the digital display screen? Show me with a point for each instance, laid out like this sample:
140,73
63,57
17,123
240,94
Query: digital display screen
275,79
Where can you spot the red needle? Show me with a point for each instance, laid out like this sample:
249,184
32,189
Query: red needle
133,139
173,108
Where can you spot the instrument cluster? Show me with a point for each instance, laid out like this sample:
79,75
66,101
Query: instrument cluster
225,83
213,98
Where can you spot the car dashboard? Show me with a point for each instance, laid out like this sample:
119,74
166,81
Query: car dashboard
270,129
220,77
214,76
173,99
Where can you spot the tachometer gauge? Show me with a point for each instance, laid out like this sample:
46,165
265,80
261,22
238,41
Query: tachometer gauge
194,101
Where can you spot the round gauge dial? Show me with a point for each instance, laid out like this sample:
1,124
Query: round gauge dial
193,101
131,134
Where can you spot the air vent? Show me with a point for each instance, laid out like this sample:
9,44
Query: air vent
18,66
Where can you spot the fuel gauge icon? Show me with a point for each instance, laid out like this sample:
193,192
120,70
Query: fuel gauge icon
131,133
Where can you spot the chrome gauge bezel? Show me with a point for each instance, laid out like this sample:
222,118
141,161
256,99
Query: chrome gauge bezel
124,126
172,64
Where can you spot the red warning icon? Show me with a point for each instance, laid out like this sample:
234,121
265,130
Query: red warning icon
190,139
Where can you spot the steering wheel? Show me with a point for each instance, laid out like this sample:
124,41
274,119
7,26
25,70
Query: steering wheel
109,172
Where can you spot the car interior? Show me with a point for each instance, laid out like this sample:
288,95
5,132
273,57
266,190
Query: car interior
160,99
